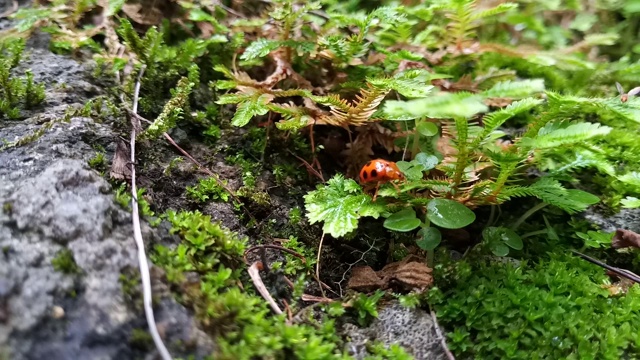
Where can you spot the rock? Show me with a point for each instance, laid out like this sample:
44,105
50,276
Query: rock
628,219
413,329
50,200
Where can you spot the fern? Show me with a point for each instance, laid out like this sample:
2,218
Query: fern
494,120
172,111
464,18
440,106
552,192
552,136
343,113
515,89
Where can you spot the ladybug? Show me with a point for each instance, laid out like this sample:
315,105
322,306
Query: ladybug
380,171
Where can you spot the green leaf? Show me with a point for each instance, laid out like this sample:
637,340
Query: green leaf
630,202
552,192
427,161
404,220
429,238
631,178
410,171
449,214
499,249
502,235
582,197
339,204
441,106
260,48
571,134
426,128
247,110
515,89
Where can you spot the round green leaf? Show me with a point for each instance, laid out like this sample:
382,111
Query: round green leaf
499,249
404,220
428,162
426,128
449,214
502,235
429,238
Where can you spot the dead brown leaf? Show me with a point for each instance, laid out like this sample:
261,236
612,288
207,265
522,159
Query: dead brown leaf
120,169
624,239
408,274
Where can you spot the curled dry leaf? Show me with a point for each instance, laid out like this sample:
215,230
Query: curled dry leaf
624,239
120,169
411,273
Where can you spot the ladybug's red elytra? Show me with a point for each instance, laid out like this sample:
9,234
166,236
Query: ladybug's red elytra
380,171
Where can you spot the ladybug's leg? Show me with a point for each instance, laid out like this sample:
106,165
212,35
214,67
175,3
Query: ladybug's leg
396,186
375,194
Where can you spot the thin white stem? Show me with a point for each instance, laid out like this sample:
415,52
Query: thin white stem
318,266
137,235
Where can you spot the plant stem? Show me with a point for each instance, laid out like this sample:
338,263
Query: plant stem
415,147
526,215
533,233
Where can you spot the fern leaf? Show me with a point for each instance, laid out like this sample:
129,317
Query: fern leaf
571,134
366,104
502,8
495,119
443,106
256,105
552,192
515,89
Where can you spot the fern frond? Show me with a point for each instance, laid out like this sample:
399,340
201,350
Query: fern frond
515,89
571,134
294,117
495,119
552,192
440,106
358,113
502,8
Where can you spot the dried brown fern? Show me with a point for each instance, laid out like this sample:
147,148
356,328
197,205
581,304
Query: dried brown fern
357,114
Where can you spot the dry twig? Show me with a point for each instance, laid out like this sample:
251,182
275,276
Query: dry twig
254,273
137,234
443,341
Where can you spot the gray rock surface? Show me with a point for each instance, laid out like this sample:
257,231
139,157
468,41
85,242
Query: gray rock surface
51,200
413,329
628,219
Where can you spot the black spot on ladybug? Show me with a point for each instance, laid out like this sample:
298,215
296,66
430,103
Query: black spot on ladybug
365,175
367,164
374,173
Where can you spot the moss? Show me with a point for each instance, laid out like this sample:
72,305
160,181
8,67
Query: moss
65,263
239,319
130,285
141,339
7,207
98,162
208,189
16,94
553,309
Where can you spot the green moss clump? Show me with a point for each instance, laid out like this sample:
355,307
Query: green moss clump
240,319
130,285
208,189
141,339
16,93
65,263
98,162
555,309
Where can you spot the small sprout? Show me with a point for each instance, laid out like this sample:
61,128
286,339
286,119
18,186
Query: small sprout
65,263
